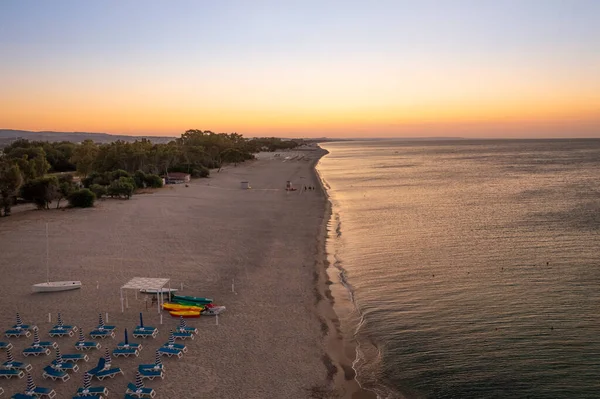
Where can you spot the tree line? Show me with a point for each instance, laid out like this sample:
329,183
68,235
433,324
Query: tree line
42,172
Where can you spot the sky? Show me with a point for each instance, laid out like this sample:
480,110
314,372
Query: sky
479,68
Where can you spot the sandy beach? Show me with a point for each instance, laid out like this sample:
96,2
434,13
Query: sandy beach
260,252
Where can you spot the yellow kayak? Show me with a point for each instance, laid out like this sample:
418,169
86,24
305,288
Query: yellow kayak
177,307
184,313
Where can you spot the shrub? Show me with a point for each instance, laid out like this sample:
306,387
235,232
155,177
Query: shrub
121,187
139,177
154,181
200,171
99,190
83,198
117,174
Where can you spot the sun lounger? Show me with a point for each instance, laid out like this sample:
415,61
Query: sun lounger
17,332
5,345
82,392
183,335
102,333
126,352
54,374
166,351
64,366
140,392
75,357
44,392
145,332
61,331
1,391
129,345
151,373
111,373
87,345
16,366
9,373
36,351
22,396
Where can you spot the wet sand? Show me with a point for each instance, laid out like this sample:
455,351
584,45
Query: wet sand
260,252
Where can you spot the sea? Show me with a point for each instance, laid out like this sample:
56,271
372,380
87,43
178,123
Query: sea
468,268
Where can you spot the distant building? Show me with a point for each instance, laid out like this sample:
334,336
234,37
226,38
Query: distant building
177,178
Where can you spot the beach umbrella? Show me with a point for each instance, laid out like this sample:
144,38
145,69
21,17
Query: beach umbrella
171,338
126,340
141,320
81,337
107,357
87,381
157,361
9,356
19,321
30,384
59,359
182,324
100,321
139,383
36,337
59,322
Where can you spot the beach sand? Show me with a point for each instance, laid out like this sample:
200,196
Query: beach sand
275,339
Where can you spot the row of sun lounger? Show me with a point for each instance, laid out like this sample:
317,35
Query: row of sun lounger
63,364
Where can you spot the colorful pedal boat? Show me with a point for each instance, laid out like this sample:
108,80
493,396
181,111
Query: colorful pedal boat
177,307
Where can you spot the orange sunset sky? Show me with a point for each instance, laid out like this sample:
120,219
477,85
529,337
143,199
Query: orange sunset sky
338,69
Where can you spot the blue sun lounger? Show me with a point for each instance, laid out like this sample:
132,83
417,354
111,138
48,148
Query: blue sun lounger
140,392
75,357
145,332
151,372
54,374
183,334
58,331
126,352
111,373
130,345
41,392
5,345
36,351
38,392
86,393
22,396
64,366
17,332
167,351
102,333
16,366
9,373
87,345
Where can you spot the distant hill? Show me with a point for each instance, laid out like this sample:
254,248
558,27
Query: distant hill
8,135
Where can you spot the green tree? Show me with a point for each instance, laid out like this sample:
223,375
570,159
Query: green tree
139,178
65,188
154,181
41,191
84,157
98,190
83,198
122,187
10,181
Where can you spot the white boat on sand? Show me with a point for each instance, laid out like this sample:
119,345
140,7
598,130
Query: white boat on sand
54,286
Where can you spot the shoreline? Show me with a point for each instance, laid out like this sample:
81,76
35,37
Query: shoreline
340,350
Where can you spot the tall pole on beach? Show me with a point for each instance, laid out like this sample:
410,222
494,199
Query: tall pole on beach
47,255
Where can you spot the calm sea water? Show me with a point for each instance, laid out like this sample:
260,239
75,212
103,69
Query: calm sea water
474,265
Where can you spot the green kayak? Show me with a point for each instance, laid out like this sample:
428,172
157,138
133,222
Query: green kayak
191,299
